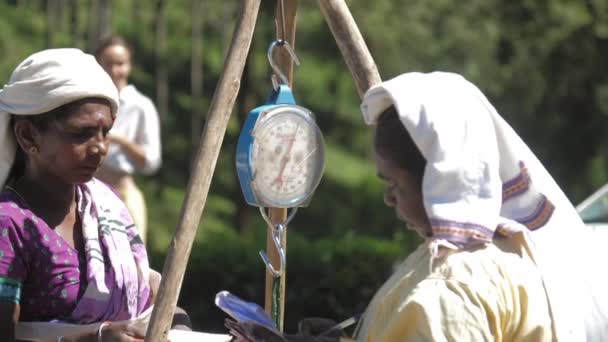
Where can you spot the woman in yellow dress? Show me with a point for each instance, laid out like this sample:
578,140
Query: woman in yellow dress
505,256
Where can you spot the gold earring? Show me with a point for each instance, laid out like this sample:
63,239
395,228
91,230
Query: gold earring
33,149
94,150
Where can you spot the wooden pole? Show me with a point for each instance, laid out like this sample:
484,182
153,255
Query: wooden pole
202,173
278,215
351,44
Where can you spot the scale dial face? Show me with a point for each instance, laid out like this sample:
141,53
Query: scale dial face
288,157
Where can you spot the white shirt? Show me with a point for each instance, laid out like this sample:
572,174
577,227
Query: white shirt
136,120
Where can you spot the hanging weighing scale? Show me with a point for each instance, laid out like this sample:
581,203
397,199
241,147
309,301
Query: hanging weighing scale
280,154
280,160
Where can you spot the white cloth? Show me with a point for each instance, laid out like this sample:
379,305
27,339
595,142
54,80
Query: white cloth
137,121
43,331
481,178
44,81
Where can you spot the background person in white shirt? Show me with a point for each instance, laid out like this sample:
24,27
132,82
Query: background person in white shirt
135,138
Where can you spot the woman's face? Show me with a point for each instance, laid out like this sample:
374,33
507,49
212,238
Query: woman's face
72,148
403,192
116,61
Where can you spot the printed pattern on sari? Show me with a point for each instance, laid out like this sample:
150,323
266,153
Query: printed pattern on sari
540,216
460,233
46,268
540,212
517,185
124,292
466,233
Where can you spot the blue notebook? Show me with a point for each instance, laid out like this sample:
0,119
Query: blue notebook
242,310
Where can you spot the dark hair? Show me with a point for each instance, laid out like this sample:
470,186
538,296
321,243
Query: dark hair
43,121
393,142
111,41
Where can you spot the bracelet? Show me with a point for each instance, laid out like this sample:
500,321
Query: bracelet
101,326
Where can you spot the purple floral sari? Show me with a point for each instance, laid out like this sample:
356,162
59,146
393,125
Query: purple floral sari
51,281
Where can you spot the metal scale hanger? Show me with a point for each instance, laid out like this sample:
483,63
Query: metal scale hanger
280,160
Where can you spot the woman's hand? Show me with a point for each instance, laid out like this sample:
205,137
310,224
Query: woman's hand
252,332
315,326
135,152
316,329
121,332
117,139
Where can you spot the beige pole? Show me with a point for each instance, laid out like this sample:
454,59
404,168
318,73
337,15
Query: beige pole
278,215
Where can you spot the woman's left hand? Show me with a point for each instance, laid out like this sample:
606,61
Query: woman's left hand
121,332
252,332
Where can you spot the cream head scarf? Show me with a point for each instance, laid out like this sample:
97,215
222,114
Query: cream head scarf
481,179
44,81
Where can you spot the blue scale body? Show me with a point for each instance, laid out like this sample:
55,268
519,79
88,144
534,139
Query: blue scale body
282,96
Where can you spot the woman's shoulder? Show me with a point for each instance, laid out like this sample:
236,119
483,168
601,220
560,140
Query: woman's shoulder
11,207
488,263
7,196
18,220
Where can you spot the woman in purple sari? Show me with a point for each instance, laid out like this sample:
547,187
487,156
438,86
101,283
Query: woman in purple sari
69,251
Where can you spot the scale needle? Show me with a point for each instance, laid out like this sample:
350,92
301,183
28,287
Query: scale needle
305,158
285,159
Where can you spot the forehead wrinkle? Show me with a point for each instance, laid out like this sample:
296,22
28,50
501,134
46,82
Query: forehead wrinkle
85,116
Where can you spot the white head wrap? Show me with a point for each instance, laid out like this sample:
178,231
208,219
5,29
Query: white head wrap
481,179
44,81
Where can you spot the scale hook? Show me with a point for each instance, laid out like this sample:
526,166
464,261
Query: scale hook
275,67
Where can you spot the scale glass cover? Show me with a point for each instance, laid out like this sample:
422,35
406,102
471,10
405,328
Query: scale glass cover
280,156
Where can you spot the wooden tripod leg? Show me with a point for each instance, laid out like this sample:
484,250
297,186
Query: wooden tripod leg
202,173
351,44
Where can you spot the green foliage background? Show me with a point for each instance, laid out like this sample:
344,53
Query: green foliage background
541,62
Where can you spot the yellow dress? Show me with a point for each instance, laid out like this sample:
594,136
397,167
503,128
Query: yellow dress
490,293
